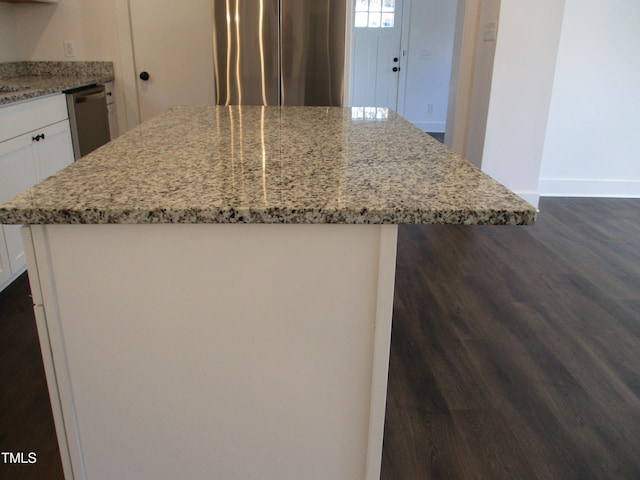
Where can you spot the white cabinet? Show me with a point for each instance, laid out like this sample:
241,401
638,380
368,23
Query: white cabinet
35,142
17,173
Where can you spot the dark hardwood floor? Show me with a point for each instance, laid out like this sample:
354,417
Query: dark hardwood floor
438,136
26,421
515,353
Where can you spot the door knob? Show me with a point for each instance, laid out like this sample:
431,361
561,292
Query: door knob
395,69
144,76
395,59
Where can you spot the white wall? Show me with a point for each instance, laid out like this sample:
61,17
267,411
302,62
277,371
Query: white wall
591,147
523,73
428,66
90,24
8,51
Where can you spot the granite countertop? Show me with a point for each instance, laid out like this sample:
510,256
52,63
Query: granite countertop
27,80
270,165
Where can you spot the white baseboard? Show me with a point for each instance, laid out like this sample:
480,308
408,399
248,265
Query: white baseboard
561,187
434,127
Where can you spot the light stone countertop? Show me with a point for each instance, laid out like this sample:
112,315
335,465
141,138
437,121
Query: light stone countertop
29,80
270,165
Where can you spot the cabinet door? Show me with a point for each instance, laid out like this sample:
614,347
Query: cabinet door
17,173
54,151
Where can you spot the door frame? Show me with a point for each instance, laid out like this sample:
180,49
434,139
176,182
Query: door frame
462,72
404,46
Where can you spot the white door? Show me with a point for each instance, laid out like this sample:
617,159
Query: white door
376,54
173,44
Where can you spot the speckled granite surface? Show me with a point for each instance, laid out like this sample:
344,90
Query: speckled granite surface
271,165
26,80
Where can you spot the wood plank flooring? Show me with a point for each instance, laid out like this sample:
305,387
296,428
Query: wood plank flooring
515,353
26,421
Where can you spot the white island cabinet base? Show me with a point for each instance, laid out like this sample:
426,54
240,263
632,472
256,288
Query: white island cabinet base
199,351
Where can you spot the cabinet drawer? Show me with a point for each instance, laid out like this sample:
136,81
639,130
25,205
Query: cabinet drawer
27,116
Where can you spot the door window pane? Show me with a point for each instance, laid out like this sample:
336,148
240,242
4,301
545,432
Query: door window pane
362,5
375,13
369,113
374,20
362,19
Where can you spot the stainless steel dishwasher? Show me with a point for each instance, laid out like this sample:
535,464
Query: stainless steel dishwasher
88,118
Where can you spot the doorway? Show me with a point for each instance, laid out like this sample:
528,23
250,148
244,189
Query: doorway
376,53
446,64
404,64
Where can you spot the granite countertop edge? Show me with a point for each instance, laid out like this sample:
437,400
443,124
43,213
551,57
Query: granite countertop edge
267,216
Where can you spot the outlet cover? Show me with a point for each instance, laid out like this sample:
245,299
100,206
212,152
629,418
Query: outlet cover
69,48
490,31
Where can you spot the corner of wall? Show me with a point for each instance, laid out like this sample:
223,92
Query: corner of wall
522,84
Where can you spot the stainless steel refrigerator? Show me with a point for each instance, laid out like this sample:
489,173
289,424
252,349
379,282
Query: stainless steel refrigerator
279,52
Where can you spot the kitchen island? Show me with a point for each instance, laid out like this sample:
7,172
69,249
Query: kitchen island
214,289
